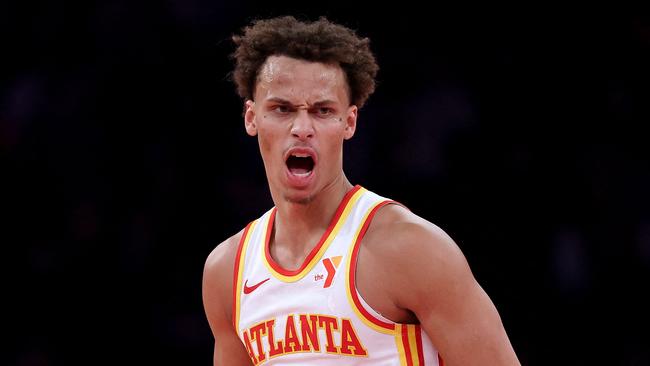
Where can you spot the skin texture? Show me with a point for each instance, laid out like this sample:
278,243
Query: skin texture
409,270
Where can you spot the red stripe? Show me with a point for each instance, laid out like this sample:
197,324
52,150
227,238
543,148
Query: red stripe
405,342
312,254
235,277
331,271
440,361
353,272
418,340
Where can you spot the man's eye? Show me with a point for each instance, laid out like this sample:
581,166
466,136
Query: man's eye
324,111
283,109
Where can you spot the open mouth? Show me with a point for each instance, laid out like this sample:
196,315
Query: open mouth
300,164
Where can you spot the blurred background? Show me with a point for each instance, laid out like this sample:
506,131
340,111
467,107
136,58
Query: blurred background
124,162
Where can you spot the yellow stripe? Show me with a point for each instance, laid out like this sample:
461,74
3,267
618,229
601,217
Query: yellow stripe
240,272
413,344
323,248
347,282
400,347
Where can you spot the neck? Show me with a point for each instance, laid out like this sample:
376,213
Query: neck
299,225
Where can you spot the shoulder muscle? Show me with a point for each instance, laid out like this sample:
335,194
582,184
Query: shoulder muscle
217,281
421,258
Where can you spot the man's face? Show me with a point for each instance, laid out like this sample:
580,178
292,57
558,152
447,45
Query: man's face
301,115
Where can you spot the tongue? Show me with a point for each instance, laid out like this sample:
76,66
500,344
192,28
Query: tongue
298,170
299,165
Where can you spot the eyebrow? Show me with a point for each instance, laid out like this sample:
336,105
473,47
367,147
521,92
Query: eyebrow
286,102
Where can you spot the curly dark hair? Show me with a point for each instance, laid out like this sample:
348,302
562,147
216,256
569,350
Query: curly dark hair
318,41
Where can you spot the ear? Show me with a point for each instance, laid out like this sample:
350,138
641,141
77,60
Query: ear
350,122
249,118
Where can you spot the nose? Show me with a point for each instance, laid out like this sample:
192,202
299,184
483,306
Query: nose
302,126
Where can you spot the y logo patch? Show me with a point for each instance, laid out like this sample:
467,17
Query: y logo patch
331,264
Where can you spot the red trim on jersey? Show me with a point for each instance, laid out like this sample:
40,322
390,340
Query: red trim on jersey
353,272
407,346
418,340
312,254
235,277
440,361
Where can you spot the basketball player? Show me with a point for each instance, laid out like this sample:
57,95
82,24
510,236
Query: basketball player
334,274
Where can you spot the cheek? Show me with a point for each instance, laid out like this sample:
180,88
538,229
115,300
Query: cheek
335,145
265,150
266,141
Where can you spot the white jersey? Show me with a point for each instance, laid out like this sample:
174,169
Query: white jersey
314,315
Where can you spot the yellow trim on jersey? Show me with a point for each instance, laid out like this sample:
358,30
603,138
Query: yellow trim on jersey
240,272
347,282
413,344
342,219
400,345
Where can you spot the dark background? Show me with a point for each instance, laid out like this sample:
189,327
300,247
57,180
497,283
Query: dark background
124,162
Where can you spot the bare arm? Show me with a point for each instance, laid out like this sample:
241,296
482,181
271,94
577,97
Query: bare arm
430,278
217,302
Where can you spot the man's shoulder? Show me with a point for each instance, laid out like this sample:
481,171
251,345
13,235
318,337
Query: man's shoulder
398,222
222,257
397,232
404,248
217,281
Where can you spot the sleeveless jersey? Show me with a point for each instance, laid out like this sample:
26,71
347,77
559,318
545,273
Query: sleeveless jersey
314,315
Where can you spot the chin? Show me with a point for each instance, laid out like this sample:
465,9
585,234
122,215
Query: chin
301,197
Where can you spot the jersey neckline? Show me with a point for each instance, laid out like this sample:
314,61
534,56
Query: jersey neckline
319,249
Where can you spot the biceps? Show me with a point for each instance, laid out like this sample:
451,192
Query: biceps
467,320
467,309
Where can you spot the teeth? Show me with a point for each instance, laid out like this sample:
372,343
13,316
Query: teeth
300,155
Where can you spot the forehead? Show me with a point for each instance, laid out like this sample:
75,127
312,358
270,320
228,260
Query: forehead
300,81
